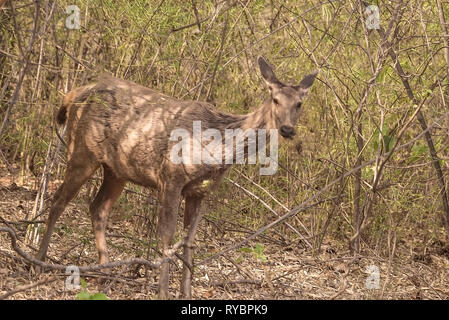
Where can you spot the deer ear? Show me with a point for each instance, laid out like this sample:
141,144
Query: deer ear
307,82
267,73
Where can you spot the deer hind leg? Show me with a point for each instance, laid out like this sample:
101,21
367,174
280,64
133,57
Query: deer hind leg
99,209
79,169
192,216
166,228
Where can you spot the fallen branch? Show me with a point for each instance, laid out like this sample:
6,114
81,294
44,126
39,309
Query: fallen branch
28,286
269,208
27,257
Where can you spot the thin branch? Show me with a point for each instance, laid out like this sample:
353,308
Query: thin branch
28,286
422,122
309,202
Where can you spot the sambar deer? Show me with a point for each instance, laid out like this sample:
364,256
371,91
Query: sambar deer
125,128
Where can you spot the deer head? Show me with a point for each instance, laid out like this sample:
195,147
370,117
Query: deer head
286,100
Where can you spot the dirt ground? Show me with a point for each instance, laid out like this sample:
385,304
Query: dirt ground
277,272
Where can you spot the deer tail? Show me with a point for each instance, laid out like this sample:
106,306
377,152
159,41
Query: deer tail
73,96
61,116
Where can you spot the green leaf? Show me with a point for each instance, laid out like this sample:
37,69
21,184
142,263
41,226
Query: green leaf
418,151
387,140
83,295
99,296
382,74
258,252
259,248
83,283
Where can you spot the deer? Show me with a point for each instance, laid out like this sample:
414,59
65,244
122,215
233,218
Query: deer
125,128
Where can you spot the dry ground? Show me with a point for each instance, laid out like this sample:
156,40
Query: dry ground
280,272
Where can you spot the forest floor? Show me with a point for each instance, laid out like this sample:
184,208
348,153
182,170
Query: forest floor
417,271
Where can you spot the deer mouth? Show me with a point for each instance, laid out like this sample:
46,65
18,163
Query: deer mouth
287,132
289,137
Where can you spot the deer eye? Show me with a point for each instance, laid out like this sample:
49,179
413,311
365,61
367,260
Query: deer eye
276,101
299,105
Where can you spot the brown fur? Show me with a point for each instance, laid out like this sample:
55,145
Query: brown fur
125,128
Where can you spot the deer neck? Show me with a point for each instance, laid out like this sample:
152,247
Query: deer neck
262,118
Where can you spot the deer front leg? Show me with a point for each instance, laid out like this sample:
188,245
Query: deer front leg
166,229
192,218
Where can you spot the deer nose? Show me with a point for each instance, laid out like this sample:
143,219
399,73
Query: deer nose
287,131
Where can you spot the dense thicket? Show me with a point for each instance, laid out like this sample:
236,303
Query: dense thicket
372,141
